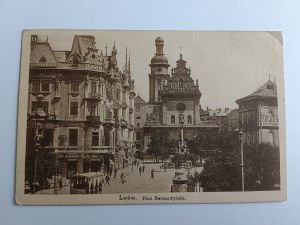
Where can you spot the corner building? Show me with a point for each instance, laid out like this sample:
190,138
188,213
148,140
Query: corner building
173,98
81,104
258,115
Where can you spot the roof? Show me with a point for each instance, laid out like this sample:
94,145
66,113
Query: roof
220,112
139,100
61,56
268,89
42,53
80,45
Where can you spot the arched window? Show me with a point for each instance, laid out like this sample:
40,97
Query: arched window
181,118
180,84
172,119
189,119
173,86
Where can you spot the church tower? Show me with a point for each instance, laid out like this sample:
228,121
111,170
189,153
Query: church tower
159,72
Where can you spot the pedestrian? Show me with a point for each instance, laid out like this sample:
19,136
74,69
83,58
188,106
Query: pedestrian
115,172
122,178
110,171
60,183
100,187
107,180
152,174
140,169
143,168
165,168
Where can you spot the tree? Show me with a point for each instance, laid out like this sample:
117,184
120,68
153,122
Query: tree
262,167
161,145
44,159
222,171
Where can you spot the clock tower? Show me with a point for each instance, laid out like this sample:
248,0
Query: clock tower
174,102
159,72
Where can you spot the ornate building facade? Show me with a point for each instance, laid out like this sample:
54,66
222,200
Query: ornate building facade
81,105
258,115
174,99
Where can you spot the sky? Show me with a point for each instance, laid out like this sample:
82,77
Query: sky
228,65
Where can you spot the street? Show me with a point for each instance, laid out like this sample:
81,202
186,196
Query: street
135,183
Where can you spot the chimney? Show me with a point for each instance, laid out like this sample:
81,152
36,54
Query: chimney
219,110
34,38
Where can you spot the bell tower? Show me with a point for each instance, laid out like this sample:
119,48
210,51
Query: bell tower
159,72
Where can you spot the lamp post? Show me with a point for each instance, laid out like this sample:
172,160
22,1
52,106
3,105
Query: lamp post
34,184
56,175
242,159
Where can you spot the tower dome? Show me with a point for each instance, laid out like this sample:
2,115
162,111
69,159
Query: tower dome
159,40
159,59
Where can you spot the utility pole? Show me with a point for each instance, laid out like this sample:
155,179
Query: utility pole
242,160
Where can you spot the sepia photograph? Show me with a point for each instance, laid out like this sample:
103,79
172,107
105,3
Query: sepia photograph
138,117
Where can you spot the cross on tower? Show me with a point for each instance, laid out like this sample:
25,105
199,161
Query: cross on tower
106,49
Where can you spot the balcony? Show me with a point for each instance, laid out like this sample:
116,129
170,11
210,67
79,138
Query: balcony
82,149
109,119
123,123
93,96
51,117
93,119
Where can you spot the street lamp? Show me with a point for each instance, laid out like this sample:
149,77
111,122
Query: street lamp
34,184
242,159
56,175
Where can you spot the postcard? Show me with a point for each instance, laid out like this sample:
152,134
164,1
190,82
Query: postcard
150,117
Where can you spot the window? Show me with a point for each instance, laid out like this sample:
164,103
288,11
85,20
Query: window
180,84
138,146
124,97
172,119
138,125
116,114
189,119
43,59
158,95
92,110
48,137
74,86
45,85
74,109
138,136
118,95
271,138
36,86
35,105
106,136
173,86
158,81
93,87
137,108
73,137
95,138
